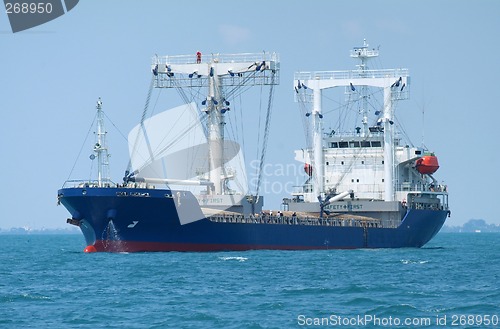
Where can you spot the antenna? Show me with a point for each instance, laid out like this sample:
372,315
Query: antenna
423,125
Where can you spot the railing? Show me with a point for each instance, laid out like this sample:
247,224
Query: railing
86,183
363,52
79,183
421,187
250,77
216,58
295,220
427,206
351,74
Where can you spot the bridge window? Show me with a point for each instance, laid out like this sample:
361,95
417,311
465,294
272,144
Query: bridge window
365,143
353,144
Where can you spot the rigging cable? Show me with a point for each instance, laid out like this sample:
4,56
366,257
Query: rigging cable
258,143
81,148
116,127
266,134
143,118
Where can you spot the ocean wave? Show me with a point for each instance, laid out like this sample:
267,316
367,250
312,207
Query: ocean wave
254,289
24,297
409,261
237,258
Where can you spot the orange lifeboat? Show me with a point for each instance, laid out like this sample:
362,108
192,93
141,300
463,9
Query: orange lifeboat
308,169
428,164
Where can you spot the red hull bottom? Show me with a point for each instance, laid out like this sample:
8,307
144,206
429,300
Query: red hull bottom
134,246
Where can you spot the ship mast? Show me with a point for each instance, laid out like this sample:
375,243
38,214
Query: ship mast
317,129
215,125
101,148
364,54
395,84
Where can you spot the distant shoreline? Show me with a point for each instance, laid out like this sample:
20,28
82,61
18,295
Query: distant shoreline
23,231
472,226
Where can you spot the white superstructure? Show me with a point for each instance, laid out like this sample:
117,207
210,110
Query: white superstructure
370,162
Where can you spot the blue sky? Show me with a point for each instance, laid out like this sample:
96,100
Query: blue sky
52,75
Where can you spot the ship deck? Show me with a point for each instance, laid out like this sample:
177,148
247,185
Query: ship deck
299,218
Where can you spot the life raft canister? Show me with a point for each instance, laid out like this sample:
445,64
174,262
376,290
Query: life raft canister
428,164
308,169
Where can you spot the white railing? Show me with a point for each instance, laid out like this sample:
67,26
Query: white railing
351,74
216,58
363,52
421,187
87,183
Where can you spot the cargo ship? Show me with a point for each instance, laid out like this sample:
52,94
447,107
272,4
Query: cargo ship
186,189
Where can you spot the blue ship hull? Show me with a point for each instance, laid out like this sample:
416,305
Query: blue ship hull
131,220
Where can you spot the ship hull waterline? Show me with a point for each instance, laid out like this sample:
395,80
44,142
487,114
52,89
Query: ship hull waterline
143,220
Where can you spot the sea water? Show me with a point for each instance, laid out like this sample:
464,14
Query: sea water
46,281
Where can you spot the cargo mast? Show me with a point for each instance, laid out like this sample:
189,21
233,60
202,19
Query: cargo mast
214,72
395,85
